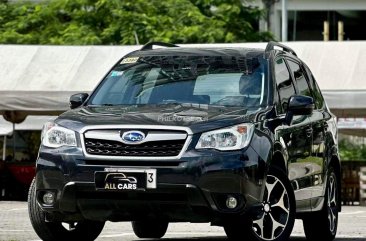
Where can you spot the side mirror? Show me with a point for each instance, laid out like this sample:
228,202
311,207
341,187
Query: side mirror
299,105
77,100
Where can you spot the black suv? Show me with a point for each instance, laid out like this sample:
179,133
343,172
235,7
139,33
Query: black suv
238,137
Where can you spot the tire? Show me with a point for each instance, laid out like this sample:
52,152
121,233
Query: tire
273,222
150,229
55,231
322,225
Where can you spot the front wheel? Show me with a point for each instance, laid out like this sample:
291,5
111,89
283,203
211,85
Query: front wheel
323,225
275,219
58,231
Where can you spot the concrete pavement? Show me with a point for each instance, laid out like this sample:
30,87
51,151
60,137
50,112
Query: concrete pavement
15,226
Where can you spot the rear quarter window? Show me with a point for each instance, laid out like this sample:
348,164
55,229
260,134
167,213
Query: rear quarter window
317,95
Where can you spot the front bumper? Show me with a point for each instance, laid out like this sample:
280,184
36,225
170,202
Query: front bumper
193,188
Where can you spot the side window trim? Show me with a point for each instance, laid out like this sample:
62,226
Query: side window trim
307,78
282,111
286,58
276,95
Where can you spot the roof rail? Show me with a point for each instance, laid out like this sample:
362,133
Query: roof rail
150,45
271,46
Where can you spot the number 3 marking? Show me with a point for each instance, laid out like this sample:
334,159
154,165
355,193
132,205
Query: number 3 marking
151,177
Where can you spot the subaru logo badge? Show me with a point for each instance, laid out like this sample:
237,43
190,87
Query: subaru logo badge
133,137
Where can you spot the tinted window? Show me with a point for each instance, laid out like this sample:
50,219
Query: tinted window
231,89
318,98
299,75
216,80
284,83
317,95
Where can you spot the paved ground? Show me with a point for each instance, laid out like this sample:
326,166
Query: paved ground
15,226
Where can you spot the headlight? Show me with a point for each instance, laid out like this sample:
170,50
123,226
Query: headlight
57,136
226,139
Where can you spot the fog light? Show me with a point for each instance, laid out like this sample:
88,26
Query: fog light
49,198
231,202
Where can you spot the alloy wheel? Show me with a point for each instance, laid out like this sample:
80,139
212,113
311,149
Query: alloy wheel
332,203
274,215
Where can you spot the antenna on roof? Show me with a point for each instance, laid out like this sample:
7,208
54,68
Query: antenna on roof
150,45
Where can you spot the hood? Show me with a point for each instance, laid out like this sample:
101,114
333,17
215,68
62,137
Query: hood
197,117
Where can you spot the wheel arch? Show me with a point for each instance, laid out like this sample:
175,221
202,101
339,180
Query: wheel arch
278,161
279,158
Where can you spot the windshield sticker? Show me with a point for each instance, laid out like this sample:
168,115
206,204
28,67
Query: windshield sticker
116,73
129,60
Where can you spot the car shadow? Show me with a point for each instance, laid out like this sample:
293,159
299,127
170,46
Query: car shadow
224,238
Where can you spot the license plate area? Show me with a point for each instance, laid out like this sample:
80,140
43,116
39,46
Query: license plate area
117,179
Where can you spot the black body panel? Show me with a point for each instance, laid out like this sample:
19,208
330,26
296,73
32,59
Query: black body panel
192,184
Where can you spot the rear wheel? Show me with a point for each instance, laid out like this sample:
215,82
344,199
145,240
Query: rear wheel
275,220
57,231
323,225
150,229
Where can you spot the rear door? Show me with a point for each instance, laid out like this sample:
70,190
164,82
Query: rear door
314,162
319,119
297,137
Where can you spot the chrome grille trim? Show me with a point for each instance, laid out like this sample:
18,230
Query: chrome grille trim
95,130
115,135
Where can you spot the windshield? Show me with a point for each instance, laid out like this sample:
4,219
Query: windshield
214,80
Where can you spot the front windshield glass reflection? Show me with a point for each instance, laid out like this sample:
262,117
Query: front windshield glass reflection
215,80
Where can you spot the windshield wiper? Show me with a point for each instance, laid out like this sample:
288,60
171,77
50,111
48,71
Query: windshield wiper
99,105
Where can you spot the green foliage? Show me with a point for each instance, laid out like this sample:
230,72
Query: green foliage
349,151
84,22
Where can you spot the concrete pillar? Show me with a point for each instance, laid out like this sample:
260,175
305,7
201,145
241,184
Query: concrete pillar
340,31
284,25
326,31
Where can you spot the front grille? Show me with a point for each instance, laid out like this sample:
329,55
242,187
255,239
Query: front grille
148,149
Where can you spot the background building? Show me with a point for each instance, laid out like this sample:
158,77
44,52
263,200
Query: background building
306,18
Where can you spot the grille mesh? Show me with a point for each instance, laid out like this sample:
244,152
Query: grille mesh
114,148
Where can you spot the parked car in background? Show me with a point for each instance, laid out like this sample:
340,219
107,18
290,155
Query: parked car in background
238,137
19,144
